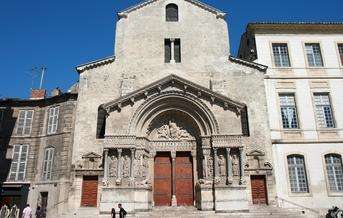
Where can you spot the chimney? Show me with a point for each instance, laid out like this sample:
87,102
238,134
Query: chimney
56,92
37,94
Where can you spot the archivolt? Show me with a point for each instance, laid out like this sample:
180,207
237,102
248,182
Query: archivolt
173,101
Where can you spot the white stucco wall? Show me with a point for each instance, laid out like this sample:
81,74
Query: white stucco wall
309,140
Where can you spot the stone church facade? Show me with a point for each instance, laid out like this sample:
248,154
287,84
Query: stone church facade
172,119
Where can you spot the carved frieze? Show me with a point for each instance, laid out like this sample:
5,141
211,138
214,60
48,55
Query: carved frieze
172,131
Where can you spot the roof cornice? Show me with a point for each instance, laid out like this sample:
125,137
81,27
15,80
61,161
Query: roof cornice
296,26
124,13
251,64
93,64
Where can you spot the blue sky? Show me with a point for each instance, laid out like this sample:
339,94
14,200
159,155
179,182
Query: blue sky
65,33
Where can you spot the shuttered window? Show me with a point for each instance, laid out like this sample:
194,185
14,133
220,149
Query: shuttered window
297,173
24,122
334,172
314,55
172,13
281,56
48,163
18,164
53,120
288,111
324,113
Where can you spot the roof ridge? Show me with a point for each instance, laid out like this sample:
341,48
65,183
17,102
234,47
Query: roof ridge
124,12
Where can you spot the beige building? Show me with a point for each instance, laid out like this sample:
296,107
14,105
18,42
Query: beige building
166,120
305,102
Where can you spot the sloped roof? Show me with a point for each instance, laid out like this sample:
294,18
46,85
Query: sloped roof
173,80
251,64
200,4
93,64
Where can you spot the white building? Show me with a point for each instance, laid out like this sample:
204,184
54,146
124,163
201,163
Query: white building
305,103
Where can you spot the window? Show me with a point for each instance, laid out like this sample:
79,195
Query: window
24,122
340,50
172,50
288,111
314,56
53,120
281,56
48,162
172,13
177,50
334,172
167,50
324,113
18,165
297,173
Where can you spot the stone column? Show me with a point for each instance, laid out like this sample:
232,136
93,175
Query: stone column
151,172
173,156
172,59
119,165
215,162
229,166
241,165
132,163
105,179
204,165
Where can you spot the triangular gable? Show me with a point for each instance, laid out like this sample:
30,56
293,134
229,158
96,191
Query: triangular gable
142,4
173,81
91,155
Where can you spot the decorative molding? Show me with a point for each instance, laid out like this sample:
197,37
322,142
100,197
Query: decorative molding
172,81
251,64
94,64
221,141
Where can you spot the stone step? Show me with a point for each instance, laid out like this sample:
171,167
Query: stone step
191,212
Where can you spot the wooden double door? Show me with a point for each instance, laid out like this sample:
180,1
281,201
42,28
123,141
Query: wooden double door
173,178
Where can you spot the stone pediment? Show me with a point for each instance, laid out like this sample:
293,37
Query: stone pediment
217,12
176,83
91,155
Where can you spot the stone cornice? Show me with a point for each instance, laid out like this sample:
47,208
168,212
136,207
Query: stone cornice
251,64
325,27
125,12
83,67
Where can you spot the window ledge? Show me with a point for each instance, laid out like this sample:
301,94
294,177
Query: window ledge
300,194
335,194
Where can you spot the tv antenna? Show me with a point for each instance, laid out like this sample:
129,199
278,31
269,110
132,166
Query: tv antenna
37,71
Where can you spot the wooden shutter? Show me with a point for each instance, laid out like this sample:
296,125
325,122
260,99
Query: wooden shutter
28,122
47,164
19,161
21,121
53,120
